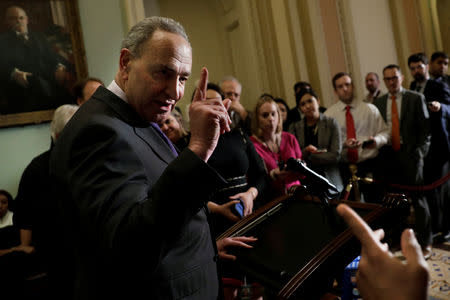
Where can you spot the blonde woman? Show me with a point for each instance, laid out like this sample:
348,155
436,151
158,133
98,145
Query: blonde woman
274,145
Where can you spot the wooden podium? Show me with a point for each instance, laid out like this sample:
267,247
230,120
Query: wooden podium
303,244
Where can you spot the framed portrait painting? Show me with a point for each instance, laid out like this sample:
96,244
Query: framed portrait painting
41,57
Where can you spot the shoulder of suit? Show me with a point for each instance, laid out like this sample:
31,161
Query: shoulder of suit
414,94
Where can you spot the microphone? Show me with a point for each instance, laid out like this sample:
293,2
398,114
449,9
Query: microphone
319,186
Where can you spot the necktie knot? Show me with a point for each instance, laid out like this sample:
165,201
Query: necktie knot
347,108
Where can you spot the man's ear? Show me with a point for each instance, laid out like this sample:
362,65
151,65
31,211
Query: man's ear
125,59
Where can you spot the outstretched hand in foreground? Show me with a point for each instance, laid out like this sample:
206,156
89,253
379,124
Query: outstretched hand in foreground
380,275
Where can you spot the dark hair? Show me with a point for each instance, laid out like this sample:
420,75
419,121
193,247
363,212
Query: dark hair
418,57
302,85
264,95
178,110
210,86
337,76
439,54
392,66
280,100
8,197
215,87
310,92
79,86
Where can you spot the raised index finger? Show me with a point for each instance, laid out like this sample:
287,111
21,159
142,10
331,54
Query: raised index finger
359,227
200,91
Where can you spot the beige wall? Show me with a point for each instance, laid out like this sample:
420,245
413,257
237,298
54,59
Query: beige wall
374,46
269,45
443,8
200,20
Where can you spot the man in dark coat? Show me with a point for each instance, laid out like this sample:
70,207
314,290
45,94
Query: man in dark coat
437,162
133,211
403,159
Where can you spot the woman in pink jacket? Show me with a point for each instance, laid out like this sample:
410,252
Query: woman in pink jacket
274,145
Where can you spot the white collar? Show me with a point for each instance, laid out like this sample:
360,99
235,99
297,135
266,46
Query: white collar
117,90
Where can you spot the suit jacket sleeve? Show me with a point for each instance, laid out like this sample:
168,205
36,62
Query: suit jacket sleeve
123,203
423,132
334,147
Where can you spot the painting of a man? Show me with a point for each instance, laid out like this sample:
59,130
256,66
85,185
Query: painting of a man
32,74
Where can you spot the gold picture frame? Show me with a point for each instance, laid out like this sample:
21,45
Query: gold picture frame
53,41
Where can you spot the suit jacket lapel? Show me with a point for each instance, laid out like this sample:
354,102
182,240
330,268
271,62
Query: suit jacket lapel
142,128
383,108
156,142
404,108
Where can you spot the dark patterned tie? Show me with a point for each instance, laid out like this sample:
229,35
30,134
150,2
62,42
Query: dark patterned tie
165,138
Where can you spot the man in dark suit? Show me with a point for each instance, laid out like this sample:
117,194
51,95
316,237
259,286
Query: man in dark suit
31,74
407,117
439,66
35,208
133,211
437,162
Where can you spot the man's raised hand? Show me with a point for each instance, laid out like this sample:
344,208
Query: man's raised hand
208,119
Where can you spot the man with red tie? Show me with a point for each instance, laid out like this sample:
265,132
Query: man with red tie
363,132
407,117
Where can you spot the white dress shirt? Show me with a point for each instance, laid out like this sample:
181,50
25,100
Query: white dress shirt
368,122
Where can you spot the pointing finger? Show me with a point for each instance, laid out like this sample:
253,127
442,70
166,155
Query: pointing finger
359,227
200,92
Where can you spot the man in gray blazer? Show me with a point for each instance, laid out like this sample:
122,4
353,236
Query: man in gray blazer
132,210
403,164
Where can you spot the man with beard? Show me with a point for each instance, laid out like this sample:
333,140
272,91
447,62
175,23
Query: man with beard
372,86
436,164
